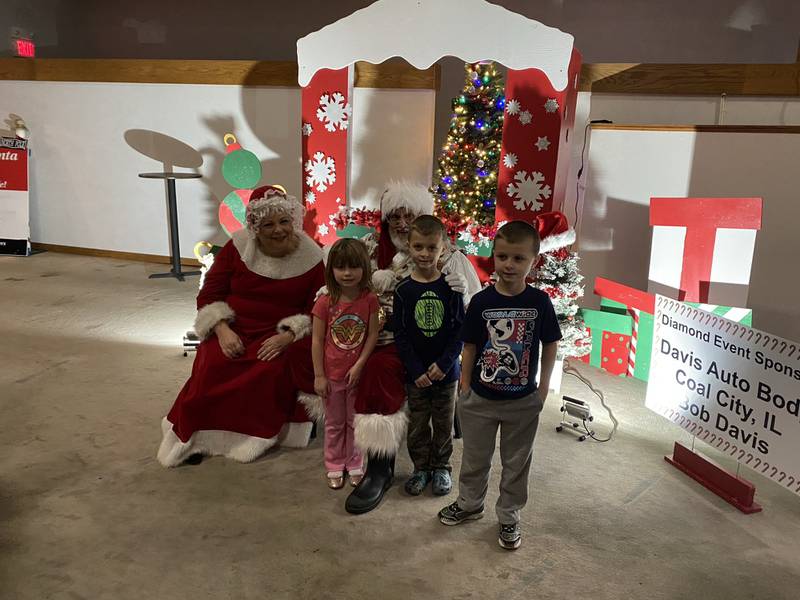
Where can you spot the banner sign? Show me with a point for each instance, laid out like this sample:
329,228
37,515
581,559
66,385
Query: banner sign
734,387
14,227
7,142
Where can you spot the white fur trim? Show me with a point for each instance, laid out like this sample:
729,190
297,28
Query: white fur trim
404,194
314,405
554,242
210,315
214,442
299,325
381,434
302,260
383,280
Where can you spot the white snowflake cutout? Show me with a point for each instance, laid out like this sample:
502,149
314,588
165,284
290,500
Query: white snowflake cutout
483,240
551,105
471,249
525,117
323,229
332,219
321,171
510,160
528,190
334,112
465,236
311,197
542,143
338,200
512,107
307,129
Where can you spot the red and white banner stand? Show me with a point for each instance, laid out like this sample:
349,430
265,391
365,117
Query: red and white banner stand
703,248
14,208
535,156
327,115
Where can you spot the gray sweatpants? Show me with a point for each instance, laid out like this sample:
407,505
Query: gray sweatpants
480,418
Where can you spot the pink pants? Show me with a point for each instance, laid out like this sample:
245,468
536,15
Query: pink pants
340,451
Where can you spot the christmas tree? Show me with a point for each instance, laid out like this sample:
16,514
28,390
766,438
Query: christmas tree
557,274
465,184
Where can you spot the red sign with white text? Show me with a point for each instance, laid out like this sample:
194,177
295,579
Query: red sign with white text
14,169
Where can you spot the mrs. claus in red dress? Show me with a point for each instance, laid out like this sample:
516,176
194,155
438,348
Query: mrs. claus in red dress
253,315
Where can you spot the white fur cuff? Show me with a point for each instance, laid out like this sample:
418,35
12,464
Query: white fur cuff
210,315
299,325
381,434
314,405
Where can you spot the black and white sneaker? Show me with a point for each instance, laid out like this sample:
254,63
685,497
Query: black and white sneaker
453,514
510,536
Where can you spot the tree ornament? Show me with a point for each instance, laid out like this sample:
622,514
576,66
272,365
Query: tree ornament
241,168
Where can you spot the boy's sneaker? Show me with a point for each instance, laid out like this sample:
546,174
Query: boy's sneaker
510,536
453,514
417,483
442,483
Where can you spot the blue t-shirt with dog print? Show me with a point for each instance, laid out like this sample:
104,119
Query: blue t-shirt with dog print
506,331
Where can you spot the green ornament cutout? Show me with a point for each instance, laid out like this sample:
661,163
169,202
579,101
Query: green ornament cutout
240,168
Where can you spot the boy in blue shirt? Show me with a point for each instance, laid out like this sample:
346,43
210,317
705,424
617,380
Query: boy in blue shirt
501,334
427,317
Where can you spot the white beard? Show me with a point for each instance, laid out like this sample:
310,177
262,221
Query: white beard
399,240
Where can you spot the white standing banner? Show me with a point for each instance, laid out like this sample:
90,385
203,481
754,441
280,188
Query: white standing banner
734,387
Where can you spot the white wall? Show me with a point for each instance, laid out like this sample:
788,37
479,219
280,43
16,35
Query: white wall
84,186
627,168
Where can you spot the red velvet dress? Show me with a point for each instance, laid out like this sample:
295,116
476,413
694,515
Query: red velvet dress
246,395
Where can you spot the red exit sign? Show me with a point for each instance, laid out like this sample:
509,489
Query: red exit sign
25,48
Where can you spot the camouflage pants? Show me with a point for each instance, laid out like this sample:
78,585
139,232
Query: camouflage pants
431,406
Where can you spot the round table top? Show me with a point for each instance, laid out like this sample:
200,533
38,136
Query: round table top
170,175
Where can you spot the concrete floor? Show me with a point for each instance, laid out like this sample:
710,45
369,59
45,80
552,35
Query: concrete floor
90,360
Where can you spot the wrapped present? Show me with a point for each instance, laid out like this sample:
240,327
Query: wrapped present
611,339
702,248
619,299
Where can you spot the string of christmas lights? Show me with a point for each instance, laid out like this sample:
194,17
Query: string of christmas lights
465,184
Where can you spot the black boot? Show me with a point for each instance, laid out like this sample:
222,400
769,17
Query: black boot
369,493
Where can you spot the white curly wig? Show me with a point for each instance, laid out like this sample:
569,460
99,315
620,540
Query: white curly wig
269,200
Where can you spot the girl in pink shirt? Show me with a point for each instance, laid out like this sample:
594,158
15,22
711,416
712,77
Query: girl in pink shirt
344,334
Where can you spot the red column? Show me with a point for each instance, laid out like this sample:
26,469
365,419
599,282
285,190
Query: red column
326,114
537,132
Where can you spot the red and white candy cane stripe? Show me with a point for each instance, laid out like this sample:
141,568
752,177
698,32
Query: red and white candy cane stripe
634,337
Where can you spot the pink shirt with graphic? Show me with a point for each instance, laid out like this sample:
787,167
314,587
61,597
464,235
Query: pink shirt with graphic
346,325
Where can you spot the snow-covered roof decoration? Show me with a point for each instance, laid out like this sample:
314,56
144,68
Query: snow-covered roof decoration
423,31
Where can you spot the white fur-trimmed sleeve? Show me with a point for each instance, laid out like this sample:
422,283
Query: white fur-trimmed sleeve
299,325
211,314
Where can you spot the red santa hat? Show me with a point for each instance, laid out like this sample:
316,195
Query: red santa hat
554,231
415,198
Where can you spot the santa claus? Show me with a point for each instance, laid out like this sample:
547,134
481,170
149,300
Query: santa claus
380,422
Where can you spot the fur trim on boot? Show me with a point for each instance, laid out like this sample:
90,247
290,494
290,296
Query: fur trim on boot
381,434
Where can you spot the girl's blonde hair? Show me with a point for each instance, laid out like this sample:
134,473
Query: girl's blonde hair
347,252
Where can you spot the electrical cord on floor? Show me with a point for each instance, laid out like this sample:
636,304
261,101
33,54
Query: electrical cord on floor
570,370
